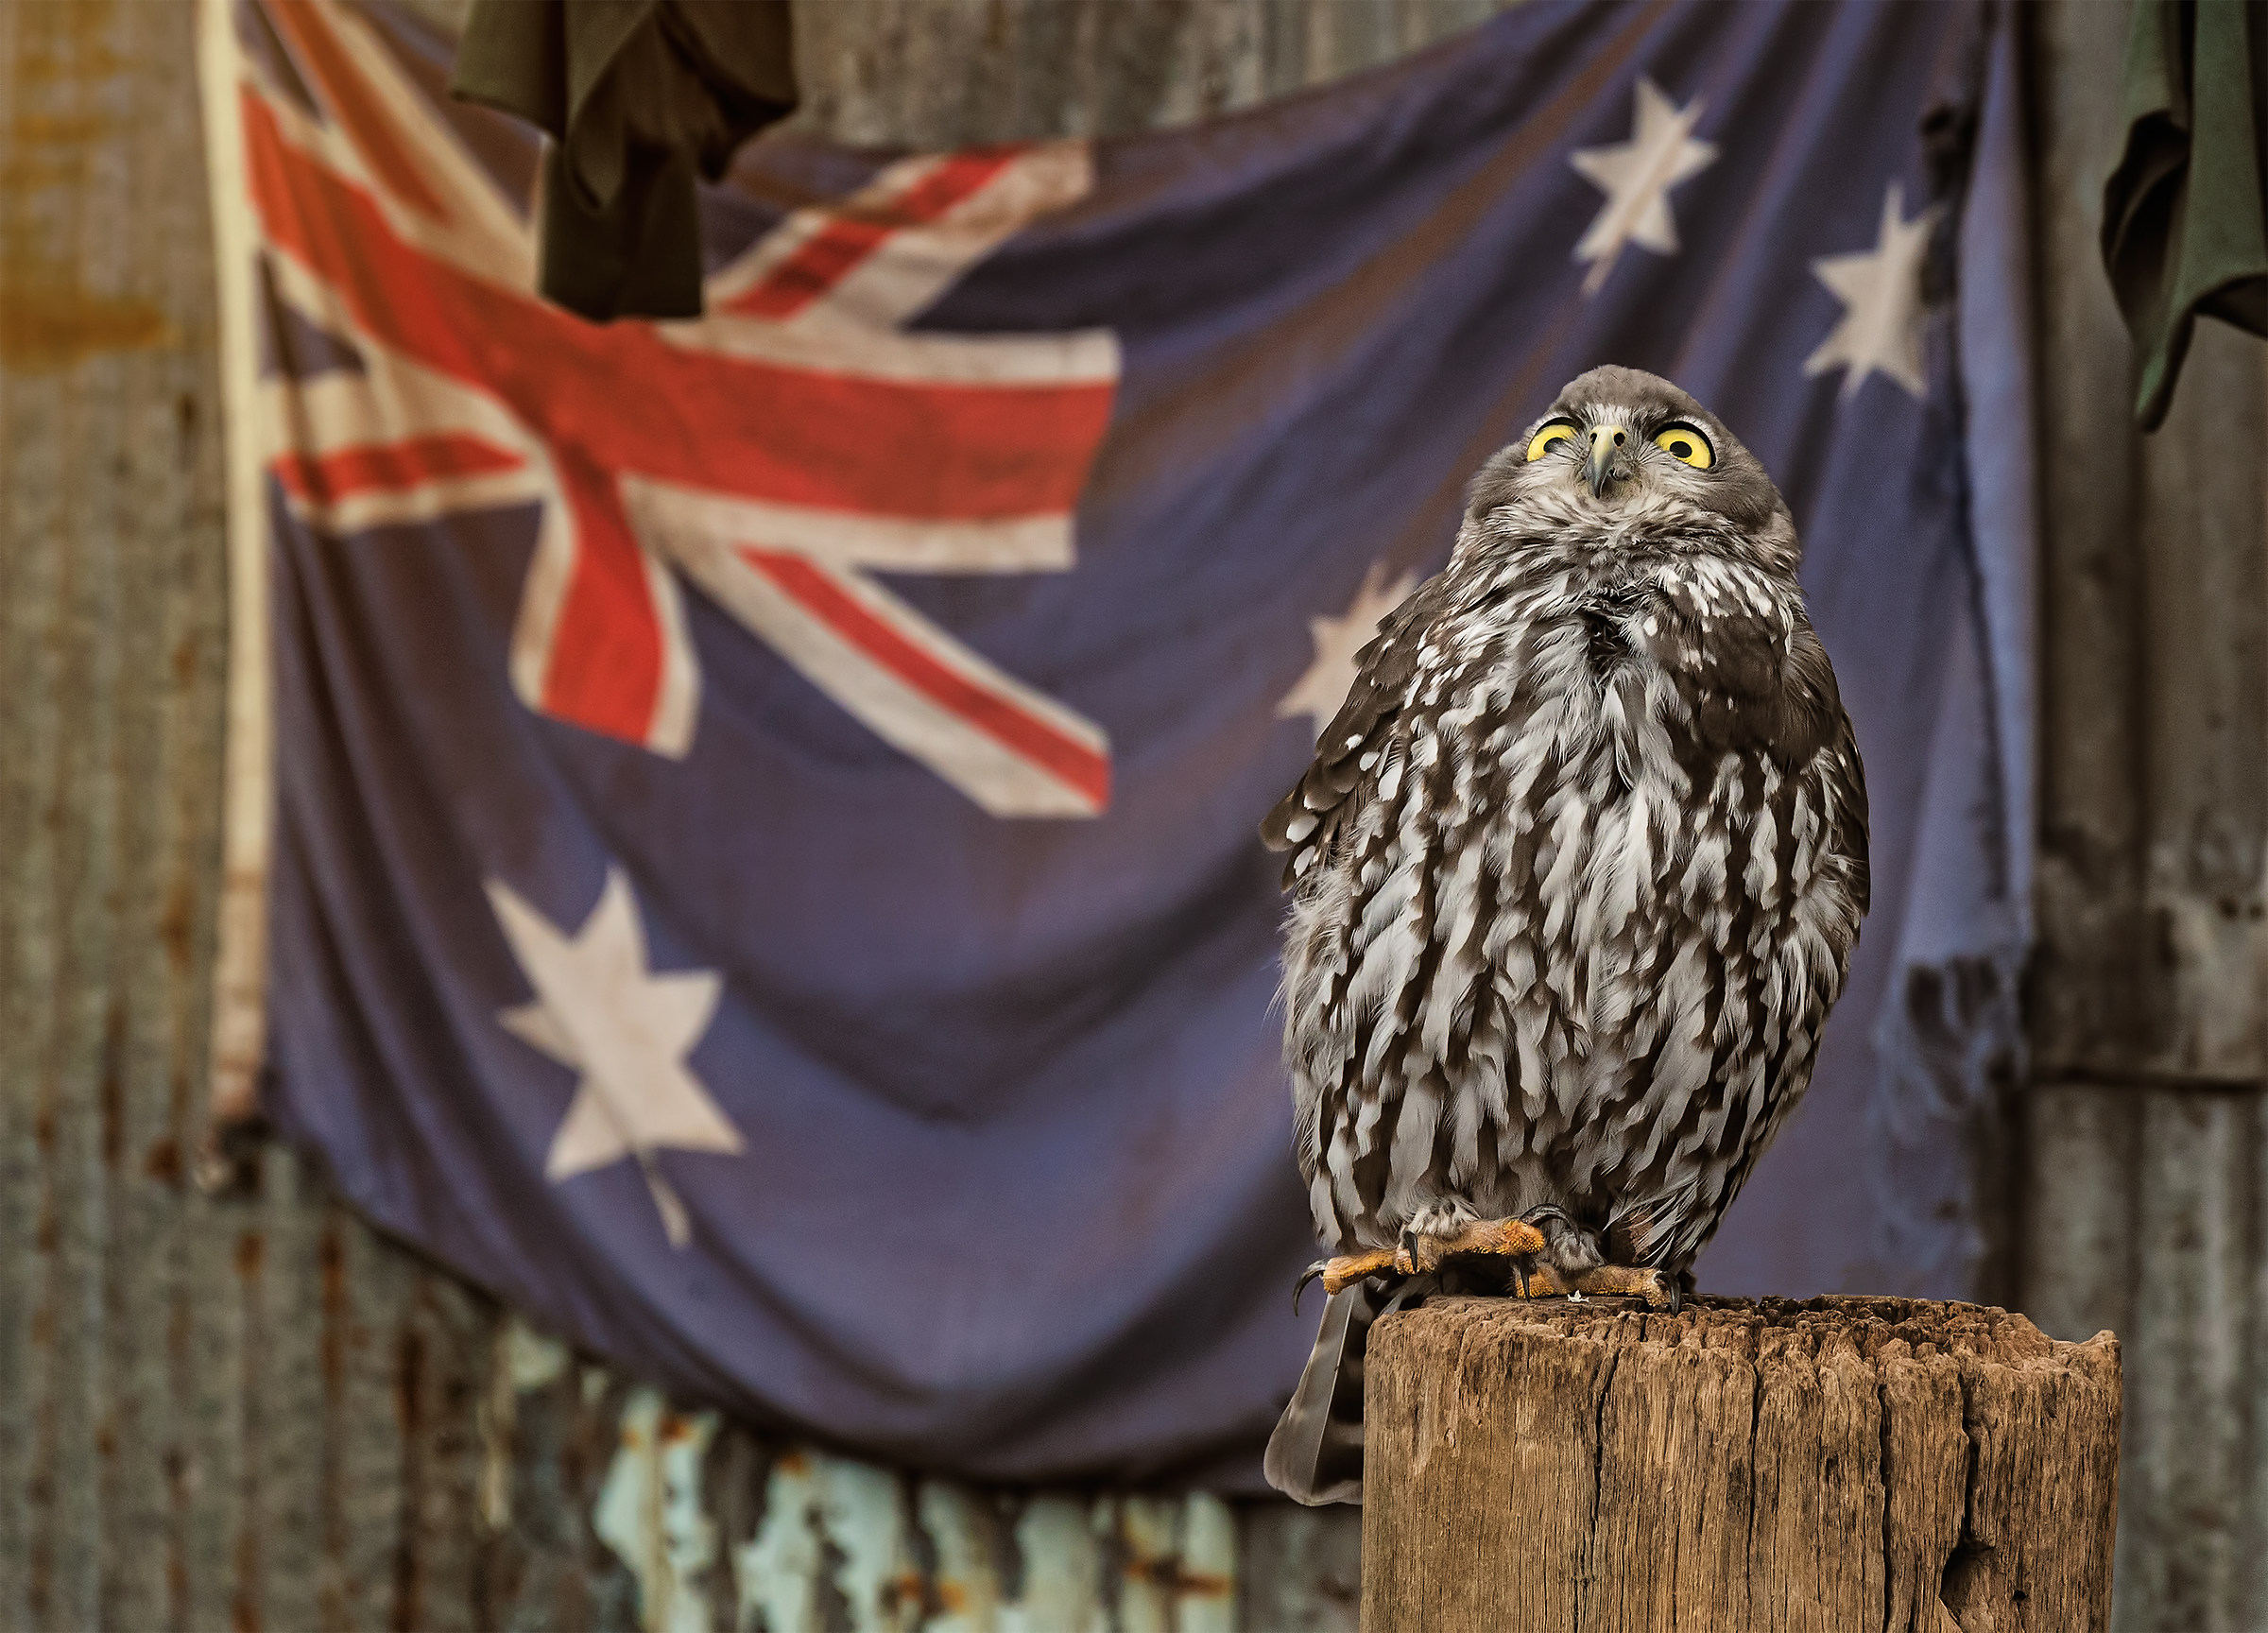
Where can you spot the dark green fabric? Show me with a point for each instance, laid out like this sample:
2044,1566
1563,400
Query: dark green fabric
2185,223
636,95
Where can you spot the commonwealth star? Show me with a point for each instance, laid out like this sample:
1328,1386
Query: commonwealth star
1323,687
1880,291
1637,177
601,1010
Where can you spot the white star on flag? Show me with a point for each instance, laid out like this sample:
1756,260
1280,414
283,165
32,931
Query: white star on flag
1637,177
1880,291
599,1010
1324,686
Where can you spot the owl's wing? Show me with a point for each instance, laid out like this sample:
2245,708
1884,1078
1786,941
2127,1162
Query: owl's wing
1807,730
1758,687
1845,775
1310,815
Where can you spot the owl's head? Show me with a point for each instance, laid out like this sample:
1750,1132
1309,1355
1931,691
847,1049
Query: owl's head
1631,454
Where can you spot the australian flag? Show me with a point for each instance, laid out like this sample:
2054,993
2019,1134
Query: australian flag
742,830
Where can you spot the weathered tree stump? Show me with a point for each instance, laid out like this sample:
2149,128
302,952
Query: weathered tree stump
1840,1464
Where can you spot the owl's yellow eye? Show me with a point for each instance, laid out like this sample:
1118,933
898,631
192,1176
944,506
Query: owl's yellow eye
1554,433
1682,441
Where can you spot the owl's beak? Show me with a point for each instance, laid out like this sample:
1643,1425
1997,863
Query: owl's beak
1605,448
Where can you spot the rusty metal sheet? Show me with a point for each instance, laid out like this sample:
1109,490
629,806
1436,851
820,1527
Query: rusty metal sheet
828,1544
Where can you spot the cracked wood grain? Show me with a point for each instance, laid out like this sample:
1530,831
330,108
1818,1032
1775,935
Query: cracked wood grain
1836,1465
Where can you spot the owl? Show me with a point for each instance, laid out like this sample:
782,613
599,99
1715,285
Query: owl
1576,878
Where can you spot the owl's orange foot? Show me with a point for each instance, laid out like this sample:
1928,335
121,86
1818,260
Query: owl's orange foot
1344,1270
1660,1290
1420,1251
1506,1238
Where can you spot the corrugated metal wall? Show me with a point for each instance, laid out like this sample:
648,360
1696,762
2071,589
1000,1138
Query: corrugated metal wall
2141,1199
250,1411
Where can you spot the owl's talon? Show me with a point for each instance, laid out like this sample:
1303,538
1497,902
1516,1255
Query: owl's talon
1344,1270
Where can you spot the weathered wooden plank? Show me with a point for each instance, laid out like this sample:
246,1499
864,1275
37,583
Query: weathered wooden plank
861,1513
1145,1529
1204,1579
2204,539
968,1540
779,1572
2095,998
1301,1569
2078,1257
2184,1475
2252,1609
25,596
940,72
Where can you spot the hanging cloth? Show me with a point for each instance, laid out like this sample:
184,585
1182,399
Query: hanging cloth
2184,224
636,95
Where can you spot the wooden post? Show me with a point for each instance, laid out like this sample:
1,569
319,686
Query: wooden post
1840,1464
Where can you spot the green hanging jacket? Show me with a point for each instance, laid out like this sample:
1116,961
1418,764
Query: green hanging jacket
2185,226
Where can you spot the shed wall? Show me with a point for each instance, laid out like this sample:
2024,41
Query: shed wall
251,1411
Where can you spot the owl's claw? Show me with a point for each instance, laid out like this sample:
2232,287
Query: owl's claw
1536,1280
1344,1270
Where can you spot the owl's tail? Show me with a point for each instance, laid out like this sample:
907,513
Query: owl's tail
1315,1455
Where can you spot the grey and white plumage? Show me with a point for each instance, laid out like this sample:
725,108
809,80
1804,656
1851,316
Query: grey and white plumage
1578,867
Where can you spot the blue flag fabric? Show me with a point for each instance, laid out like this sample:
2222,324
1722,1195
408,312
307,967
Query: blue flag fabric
764,872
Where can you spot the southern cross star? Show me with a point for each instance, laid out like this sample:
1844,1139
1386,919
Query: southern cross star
1880,291
1637,177
601,1010
1319,691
